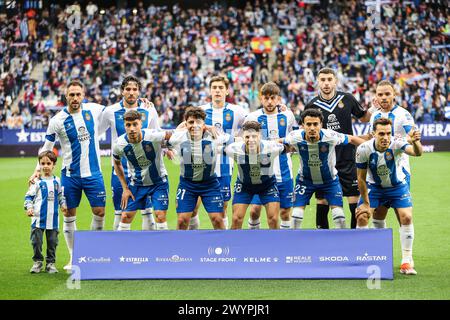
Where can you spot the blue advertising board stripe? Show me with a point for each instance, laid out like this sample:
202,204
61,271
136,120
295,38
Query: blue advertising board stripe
234,254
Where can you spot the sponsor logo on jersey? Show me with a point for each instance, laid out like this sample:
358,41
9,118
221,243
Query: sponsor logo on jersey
273,134
83,134
333,122
51,196
314,161
383,170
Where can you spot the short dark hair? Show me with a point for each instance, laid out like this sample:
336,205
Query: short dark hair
270,89
129,79
195,112
75,82
327,70
381,122
49,154
132,115
221,79
251,125
315,113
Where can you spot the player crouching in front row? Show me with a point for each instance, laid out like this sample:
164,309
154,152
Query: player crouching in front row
196,146
142,149
255,161
381,158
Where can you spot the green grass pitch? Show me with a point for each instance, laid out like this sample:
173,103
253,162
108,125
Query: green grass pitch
430,181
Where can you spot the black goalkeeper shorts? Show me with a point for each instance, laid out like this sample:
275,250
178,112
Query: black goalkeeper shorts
347,178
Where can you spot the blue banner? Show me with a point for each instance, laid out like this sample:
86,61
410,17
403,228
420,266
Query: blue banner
429,131
234,254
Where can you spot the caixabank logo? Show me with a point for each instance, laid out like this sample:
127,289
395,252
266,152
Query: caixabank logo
86,259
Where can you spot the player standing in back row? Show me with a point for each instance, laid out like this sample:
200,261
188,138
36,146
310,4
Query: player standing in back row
337,108
227,118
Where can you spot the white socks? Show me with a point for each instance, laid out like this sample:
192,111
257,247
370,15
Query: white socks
124,226
297,217
406,240
194,223
162,226
285,224
117,218
97,222
379,224
253,224
338,217
148,221
225,222
69,226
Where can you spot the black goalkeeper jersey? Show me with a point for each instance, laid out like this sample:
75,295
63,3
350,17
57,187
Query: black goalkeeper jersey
337,115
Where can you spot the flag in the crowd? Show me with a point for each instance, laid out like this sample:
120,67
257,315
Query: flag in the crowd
242,75
261,44
447,112
216,46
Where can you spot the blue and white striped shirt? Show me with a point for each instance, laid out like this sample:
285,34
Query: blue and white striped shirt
44,196
384,168
228,119
145,158
197,158
317,159
78,135
113,118
276,126
255,169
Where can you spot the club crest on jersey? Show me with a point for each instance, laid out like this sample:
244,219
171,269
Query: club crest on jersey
87,116
389,155
143,116
148,148
324,148
341,104
228,117
282,122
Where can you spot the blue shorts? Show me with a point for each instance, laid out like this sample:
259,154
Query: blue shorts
158,194
303,191
117,190
395,197
387,203
266,192
286,190
225,187
189,191
93,187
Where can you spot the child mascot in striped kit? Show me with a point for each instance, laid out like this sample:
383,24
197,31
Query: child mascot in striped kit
41,204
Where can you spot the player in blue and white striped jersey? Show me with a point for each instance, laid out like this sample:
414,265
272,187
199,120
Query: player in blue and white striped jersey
402,127
148,176
317,172
41,204
197,150
228,118
275,124
255,161
381,158
113,118
77,128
